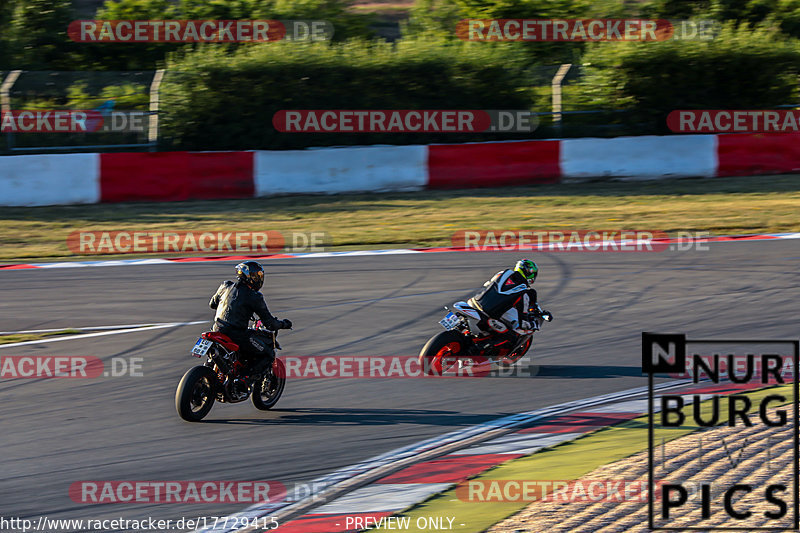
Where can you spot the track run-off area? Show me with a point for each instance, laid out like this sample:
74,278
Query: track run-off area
58,432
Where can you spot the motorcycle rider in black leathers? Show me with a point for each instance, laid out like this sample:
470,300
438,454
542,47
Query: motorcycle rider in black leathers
509,298
235,303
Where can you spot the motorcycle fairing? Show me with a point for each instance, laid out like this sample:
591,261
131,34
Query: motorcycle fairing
465,309
222,339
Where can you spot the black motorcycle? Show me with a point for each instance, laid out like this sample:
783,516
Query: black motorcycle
225,378
472,338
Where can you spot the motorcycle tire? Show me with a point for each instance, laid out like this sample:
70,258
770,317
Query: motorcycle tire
433,358
196,393
508,360
267,391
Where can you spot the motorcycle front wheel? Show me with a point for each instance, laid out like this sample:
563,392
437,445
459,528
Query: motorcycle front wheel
440,354
195,394
507,360
267,391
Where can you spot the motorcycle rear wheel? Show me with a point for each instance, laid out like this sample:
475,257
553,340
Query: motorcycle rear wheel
196,393
440,353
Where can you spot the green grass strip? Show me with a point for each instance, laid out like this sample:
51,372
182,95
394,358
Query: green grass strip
753,204
567,461
22,337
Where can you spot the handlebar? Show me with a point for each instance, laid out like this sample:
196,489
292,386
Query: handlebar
258,325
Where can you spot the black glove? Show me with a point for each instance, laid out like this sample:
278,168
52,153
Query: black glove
286,323
547,315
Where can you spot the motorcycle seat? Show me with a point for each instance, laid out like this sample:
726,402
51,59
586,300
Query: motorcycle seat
221,338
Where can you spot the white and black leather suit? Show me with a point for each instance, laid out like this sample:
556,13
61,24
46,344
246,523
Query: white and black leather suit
508,296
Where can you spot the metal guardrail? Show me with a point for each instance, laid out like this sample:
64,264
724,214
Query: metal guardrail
26,87
34,87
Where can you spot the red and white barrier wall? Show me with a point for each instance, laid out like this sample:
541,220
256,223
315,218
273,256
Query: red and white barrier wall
640,157
55,179
50,179
336,170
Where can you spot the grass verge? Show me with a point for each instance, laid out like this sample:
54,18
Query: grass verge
429,218
22,337
567,461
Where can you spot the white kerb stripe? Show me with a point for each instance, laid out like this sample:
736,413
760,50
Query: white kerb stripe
635,158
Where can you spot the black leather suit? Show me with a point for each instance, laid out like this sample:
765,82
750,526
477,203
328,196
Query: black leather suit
236,303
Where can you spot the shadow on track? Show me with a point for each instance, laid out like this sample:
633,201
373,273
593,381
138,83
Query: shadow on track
586,371
362,417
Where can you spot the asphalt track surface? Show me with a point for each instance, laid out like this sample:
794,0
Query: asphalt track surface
59,431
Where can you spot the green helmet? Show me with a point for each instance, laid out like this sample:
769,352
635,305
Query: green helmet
528,269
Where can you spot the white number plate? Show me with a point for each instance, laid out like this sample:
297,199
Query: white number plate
449,321
201,348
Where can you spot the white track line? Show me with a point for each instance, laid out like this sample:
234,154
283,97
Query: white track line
102,333
90,328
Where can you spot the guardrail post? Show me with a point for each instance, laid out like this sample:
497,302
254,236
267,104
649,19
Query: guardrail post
5,101
155,88
556,90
